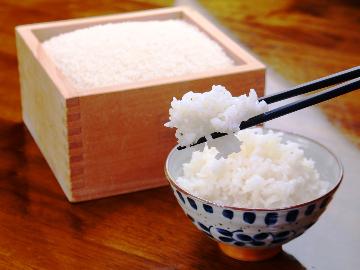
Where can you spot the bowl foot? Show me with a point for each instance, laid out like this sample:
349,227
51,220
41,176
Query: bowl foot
249,254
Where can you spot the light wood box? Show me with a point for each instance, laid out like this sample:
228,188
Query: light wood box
111,140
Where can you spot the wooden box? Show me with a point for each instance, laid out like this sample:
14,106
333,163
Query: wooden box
111,140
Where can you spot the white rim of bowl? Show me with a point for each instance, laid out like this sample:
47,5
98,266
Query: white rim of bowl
330,192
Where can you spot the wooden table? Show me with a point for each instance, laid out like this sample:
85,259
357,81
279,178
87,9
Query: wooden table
39,229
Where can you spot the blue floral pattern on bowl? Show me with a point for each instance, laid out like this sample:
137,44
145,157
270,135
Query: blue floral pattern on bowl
257,228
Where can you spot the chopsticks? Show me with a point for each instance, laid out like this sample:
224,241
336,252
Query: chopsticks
352,74
335,78
347,80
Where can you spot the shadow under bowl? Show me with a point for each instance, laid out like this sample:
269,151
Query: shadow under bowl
252,234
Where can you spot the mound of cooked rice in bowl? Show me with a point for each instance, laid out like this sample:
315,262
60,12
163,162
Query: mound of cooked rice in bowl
265,173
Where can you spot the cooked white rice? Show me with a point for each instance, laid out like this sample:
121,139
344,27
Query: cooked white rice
266,173
197,115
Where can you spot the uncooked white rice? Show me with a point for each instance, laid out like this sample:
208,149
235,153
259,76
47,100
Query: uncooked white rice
127,52
266,173
197,115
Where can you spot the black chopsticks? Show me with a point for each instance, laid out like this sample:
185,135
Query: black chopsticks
323,82
341,89
347,81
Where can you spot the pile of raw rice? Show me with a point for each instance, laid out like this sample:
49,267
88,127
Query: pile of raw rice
266,173
128,52
200,114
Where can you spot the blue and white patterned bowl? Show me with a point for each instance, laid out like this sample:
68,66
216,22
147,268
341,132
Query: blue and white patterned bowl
254,234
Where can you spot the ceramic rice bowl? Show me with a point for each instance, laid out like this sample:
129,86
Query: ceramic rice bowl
254,234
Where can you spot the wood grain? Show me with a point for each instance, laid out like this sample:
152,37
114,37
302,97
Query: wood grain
39,229
111,140
43,110
302,40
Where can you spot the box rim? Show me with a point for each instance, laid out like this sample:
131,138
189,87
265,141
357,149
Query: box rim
67,89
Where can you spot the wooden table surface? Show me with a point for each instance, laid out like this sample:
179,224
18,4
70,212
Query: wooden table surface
39,229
